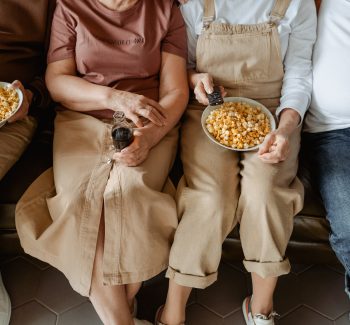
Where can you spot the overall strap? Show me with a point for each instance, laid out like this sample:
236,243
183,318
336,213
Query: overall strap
279,10
209,13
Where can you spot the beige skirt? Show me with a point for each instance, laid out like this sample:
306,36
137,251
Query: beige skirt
59,215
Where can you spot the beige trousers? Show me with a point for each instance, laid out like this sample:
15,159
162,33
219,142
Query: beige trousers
58,217
14,139
222,187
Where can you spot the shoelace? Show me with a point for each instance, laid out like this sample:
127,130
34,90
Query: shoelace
273,314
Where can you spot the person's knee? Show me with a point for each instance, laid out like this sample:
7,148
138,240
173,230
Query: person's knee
216,208
340,234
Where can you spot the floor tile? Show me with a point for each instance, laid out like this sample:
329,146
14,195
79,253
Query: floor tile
150,298
249,284
304,316
21,280
235,319
83,314
6,259
40,264
32,313
52,287
287,294
338,267
39,293
343,320
237,265
198,315
323,290
299,268
225,295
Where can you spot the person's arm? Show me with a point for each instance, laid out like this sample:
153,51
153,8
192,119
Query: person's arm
78,94
297,84
297,80
202,85
173,98
275,147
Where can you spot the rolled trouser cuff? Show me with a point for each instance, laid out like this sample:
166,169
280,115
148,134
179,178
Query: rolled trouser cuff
192,281
268,269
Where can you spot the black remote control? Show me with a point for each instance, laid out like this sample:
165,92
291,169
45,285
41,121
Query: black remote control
215,97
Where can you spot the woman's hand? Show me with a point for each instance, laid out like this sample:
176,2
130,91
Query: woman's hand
138,150
136,107
27,99
204,85
275,147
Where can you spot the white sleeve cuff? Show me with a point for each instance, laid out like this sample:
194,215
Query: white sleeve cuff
298,102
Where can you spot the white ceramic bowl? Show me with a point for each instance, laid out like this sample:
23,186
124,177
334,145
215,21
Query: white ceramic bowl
20,99
252,102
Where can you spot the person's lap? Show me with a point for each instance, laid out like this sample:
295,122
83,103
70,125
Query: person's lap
14,138
214,181
139,216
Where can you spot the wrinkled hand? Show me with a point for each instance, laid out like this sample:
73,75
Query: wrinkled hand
136,107
138,150
275,147
27,99
204,86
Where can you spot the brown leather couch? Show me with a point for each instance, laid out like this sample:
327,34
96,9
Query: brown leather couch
309,242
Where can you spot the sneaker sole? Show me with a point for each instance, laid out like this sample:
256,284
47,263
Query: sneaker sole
245,310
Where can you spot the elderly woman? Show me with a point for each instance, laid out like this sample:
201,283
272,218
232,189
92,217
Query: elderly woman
260,50
99,216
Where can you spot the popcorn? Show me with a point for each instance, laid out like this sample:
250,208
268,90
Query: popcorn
238,125
9,101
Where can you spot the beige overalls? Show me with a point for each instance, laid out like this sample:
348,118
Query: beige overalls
222,187
58,217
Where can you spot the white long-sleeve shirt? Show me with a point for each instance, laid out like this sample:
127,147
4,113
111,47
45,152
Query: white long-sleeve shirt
330,106
297,32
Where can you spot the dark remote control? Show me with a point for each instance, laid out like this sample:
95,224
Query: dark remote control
215,97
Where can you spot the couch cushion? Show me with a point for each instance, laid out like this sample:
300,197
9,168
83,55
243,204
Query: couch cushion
24,34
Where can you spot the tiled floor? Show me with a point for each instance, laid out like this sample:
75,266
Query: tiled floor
309,295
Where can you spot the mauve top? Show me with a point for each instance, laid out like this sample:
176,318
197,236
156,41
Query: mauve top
118,49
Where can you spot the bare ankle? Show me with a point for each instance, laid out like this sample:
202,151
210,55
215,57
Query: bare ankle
170,317
131,304
264,309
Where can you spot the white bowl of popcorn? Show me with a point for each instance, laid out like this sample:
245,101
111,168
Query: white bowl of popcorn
239,124
10,101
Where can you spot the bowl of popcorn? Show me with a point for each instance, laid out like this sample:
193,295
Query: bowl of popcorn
10,101
239,124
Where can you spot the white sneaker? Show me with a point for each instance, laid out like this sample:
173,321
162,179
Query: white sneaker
257,319
5,305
